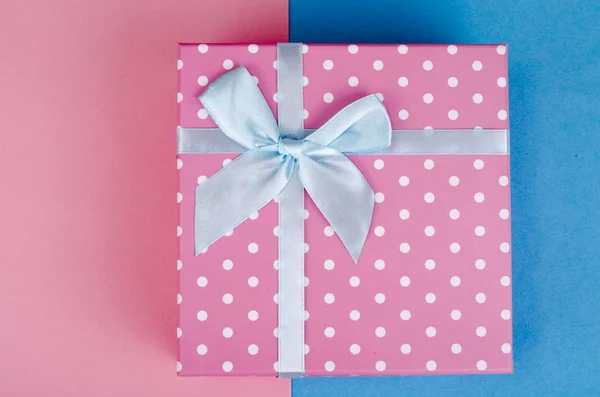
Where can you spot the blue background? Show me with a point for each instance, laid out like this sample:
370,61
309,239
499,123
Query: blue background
554,61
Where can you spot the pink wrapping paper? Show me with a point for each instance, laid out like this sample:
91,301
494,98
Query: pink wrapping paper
431,293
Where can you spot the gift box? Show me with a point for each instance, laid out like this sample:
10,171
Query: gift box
429,291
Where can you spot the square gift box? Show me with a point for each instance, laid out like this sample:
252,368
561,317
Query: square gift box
431,290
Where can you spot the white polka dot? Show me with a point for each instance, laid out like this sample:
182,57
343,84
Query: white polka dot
503,180
354,315
428,98
252,349
227,299
454,248
179,264
456,348
306,315
276,299
452,49
329,264
227,366
202,281
430,332
304,81
201,179
505,314
353,81
479,197
405,315
329,332
403,81
253,248
453,180
378,164
380,298
428,129
379,231
504,213
179,366
179,97
502,114
352,48
179,231
253,281
402,49
455,281
505,281
477,98
453,114
479,231
354,281
306,248
276,366
204,250
431,365
429,264
506,348
354,348
202,80
304,114
275,97
481,365
329,298
329,366
275,66
202,315
501,82
380,332
328,64
404,248
252,315
454,214
403,114
481,331
328,97
179,197
276,264
430,298
380,366
429,197
452,82
276,332
428,164
255,79
504,247
405,348
429,231
377,65
501,49
252,48
306,281
478,164
379,96
202,48
306,349
276,231
202,114
480,264
304,48
428,65
328,231
179,64
379,197
305,214
227,64
455,314
477,66
253,216
480,297
404,180
404,214
478,128
379,264
202,350
227,264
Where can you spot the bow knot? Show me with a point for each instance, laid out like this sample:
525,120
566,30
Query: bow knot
290,147
256,177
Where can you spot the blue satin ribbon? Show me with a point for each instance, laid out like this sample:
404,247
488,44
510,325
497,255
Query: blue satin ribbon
273,155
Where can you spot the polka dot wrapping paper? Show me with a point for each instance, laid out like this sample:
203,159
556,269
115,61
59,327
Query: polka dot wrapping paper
431,293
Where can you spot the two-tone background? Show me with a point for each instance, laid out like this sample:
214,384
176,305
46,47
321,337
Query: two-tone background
88,183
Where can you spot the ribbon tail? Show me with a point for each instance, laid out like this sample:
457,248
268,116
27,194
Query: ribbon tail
242,187
341,193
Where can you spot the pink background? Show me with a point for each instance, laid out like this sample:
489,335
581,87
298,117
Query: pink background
87,192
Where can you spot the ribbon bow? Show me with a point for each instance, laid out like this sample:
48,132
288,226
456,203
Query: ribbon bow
256,177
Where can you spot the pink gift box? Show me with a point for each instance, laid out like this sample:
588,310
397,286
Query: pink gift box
431,293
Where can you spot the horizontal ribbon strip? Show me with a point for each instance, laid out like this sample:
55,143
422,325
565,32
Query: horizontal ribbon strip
404,142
